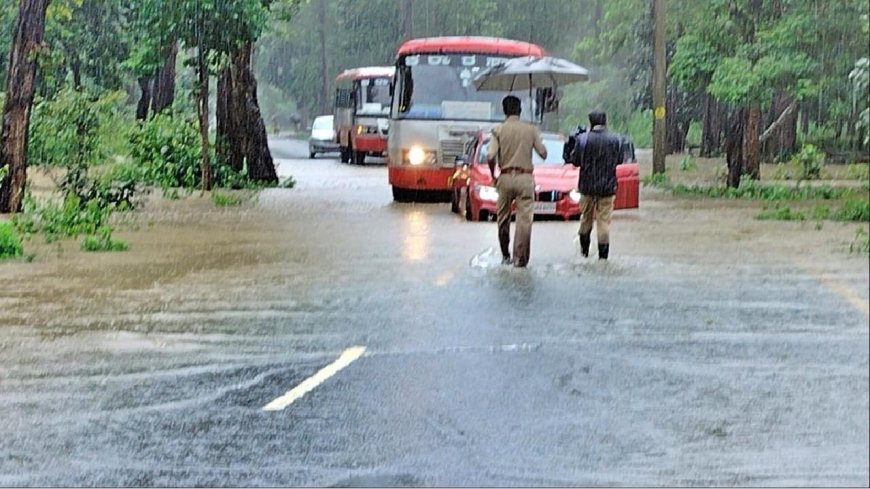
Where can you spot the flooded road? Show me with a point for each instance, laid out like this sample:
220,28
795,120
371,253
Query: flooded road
712,349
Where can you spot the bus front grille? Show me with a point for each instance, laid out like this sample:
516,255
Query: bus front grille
450,149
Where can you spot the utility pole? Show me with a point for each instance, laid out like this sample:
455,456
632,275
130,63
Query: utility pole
658,87
408,19
324,69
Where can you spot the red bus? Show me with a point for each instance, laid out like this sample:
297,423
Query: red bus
436,110
362,106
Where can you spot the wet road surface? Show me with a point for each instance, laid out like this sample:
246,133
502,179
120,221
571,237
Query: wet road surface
713,349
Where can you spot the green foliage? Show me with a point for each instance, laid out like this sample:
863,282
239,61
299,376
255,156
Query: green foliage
861,243
10,243
858,171
165,149
854,210
687,163
226,200
639,128
55,220
288,182
780,214
66,129
102,241
811,161
694,62
656,180
751,189
860,77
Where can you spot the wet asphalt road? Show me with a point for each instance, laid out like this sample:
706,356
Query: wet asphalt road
708,355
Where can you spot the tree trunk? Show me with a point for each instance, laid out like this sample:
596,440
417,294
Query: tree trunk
252,129
27,37
202,112
711,133
751,165
222,115
164,82
734,147
805,119
676,128
779,139
76,69
144,99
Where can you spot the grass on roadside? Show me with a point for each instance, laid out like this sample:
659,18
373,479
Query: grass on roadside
10,242
226,200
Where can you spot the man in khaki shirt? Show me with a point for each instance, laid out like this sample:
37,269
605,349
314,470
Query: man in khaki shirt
511,146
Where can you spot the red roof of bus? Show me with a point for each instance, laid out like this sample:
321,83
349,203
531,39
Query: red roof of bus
470,44
366,72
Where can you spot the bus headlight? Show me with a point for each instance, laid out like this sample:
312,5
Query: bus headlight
416,156
485,192
574,195
363,129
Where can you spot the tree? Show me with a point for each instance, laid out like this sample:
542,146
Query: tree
745,54
21,71
214,29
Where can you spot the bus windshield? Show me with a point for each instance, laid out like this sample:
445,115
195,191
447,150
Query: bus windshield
374,96
441,87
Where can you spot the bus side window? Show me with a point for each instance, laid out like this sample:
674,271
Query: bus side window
407,89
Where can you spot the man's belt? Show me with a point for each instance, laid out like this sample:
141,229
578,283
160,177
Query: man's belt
516,171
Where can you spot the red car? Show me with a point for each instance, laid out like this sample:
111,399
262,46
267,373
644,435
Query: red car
556,191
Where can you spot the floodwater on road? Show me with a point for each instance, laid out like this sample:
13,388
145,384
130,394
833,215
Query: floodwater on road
711,349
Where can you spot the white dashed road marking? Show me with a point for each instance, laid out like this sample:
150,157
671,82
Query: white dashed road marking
346,358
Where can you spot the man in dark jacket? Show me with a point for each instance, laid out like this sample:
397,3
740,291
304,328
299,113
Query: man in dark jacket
597,152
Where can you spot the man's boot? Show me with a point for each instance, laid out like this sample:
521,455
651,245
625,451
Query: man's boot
585,240
603,251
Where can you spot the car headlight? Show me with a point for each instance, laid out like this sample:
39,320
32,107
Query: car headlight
485,192
416,156
574,195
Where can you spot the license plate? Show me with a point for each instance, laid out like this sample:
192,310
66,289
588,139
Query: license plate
544,207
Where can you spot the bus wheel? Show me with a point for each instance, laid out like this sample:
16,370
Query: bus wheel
359,157
402,194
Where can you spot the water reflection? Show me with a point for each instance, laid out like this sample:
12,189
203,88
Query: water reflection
415,246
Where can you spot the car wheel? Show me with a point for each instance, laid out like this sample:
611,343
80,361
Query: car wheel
359,157
311,154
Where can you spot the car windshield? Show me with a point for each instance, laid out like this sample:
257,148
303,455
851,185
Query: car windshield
322,123
554,152
374,96
440,87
